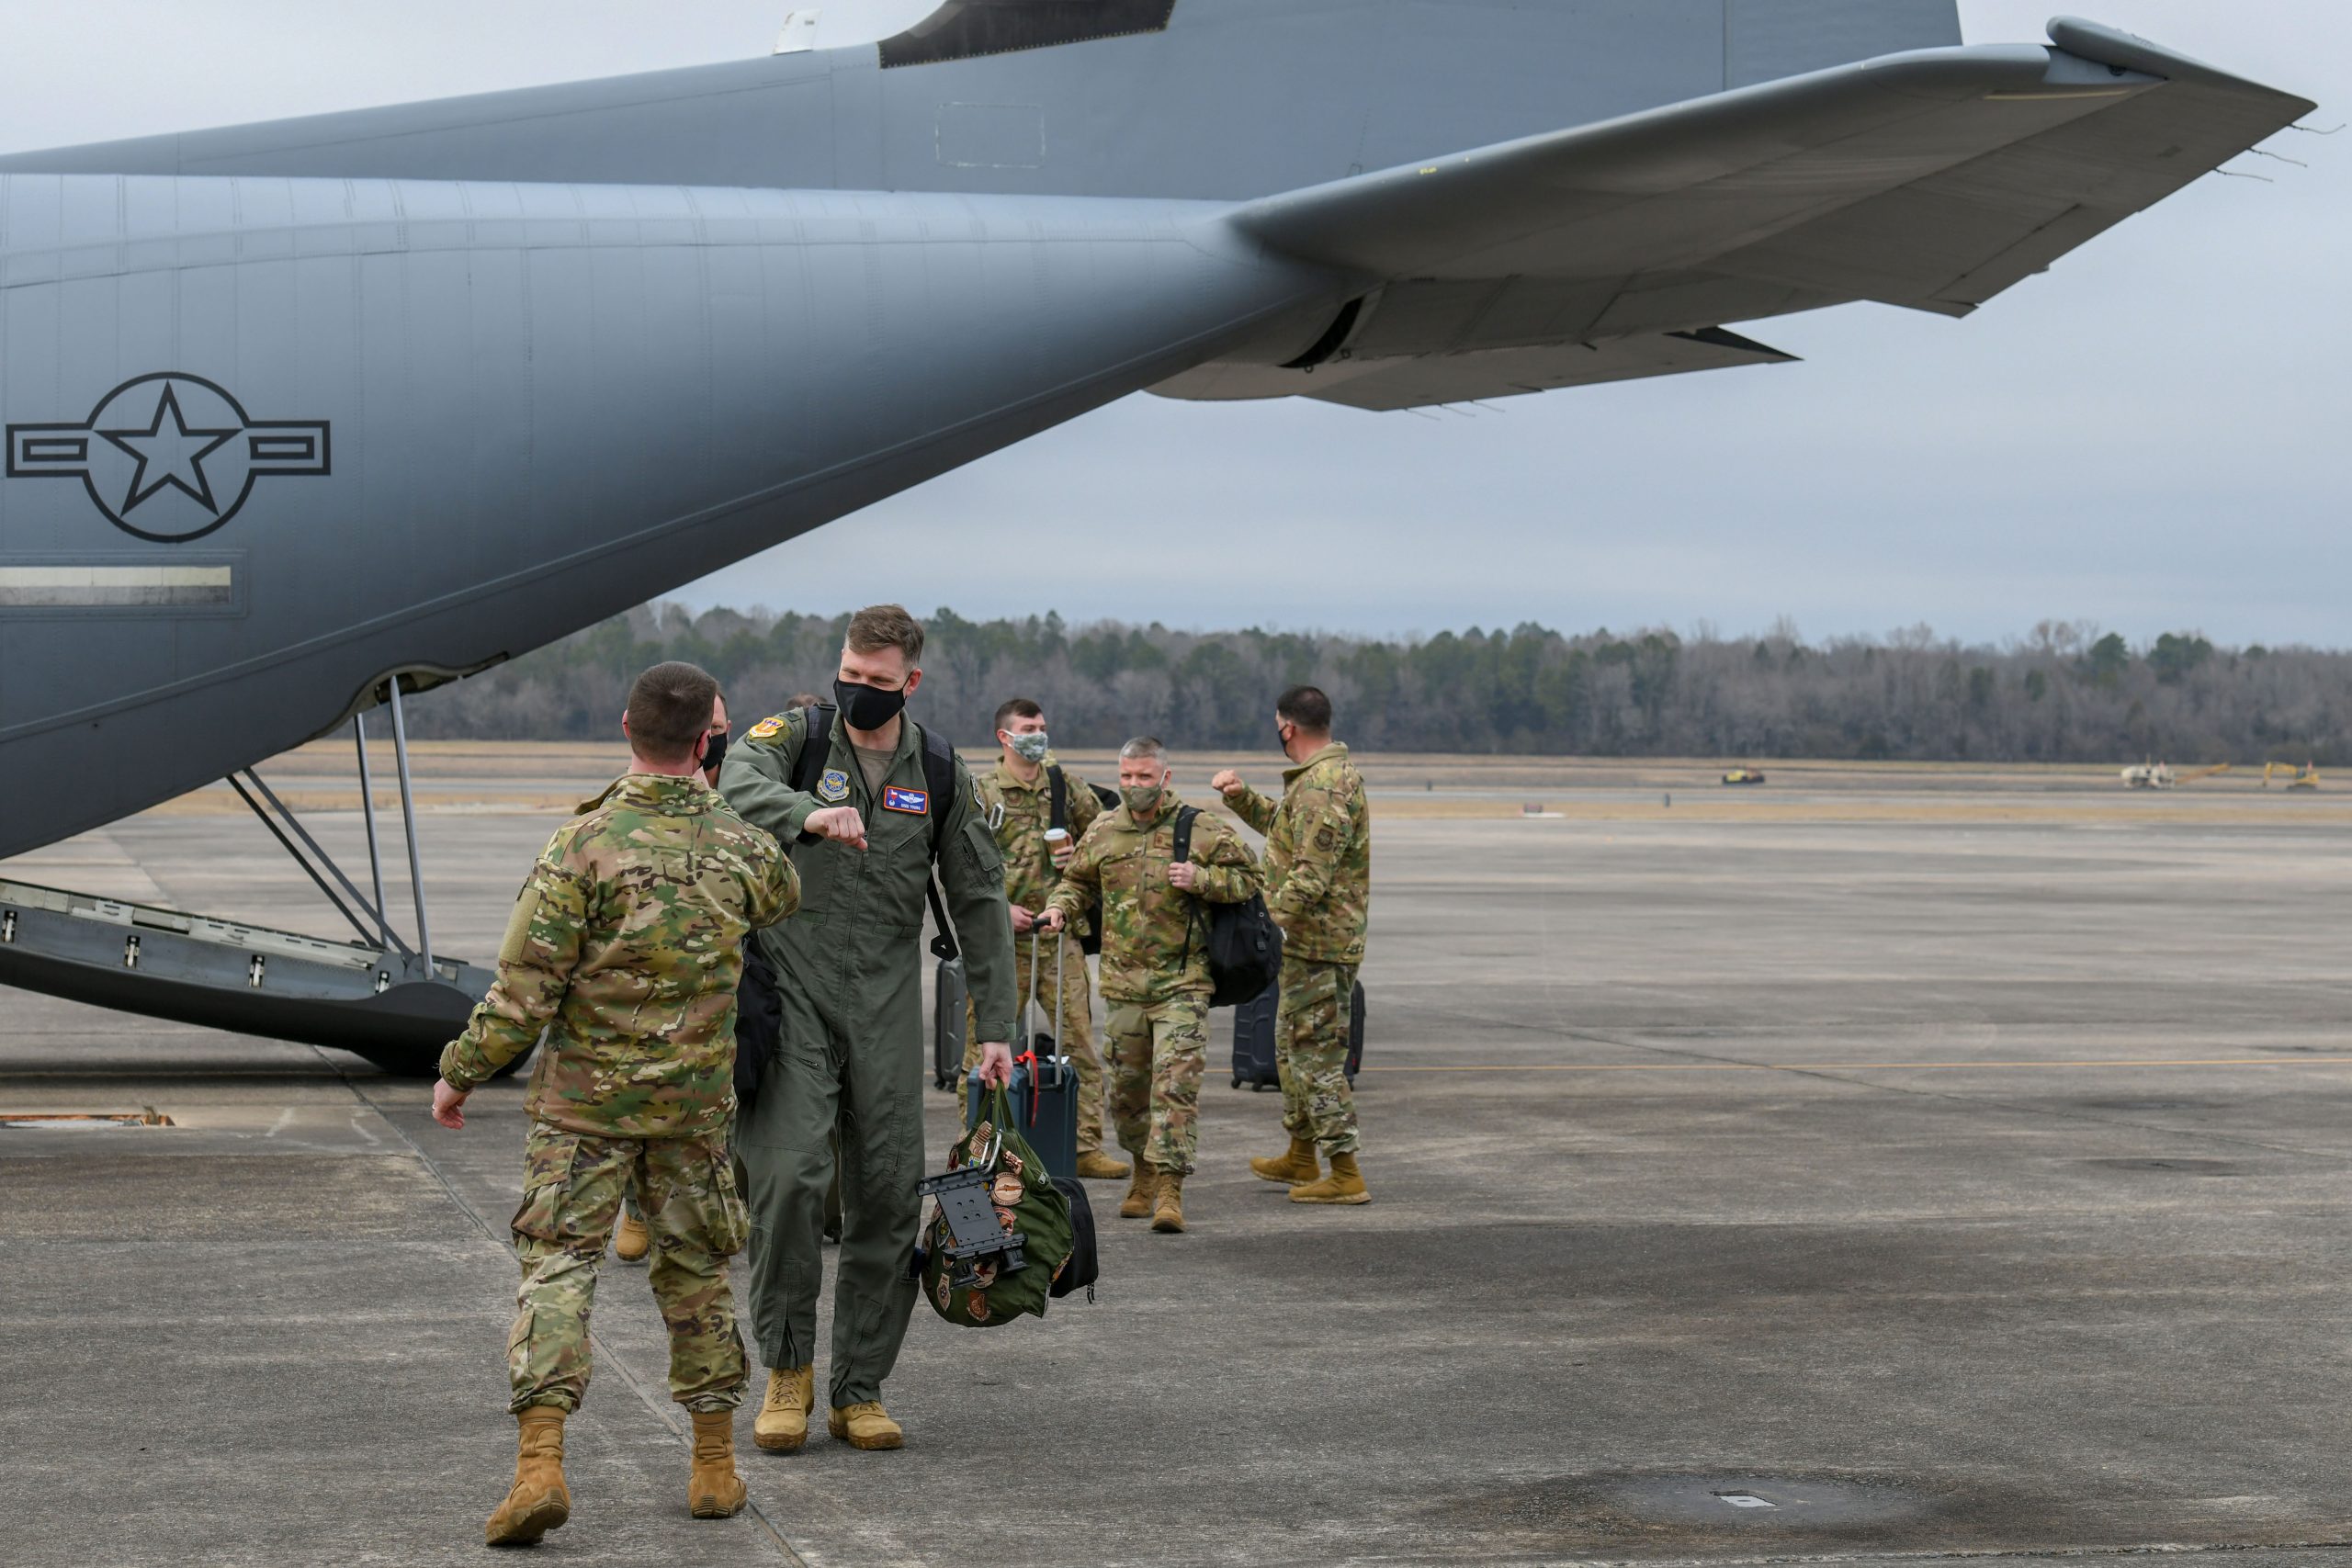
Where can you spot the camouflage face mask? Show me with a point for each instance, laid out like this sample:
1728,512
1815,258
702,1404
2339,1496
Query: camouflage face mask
1142,800
1029,748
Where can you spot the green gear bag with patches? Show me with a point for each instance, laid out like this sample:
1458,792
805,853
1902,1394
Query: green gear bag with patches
985,1293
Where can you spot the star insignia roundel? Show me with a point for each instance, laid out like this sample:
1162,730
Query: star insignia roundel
169,456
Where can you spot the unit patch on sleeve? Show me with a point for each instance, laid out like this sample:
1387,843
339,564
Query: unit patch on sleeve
773,725
913,802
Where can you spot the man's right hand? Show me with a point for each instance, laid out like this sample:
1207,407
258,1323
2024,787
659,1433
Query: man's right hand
1049,919
842,824
1022,920
1227,782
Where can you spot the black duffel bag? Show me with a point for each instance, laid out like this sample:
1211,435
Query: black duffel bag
1085,1264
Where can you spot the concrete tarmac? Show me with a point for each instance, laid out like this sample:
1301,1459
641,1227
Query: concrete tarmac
1905,1179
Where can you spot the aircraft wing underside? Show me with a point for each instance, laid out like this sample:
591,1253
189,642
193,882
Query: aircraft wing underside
1932,181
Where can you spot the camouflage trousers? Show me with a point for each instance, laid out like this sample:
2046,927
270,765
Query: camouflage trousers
1075,1005
572,1186
1311,1052
1157,1053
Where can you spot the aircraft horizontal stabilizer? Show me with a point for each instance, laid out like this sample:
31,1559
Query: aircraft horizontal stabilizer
1932,179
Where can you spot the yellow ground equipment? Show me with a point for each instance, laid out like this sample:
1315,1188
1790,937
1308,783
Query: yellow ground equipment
1745,776
2304,777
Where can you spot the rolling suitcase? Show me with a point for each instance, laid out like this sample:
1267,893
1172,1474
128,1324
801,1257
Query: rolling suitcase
1253,1038
947,999
1044,1109
1044,1089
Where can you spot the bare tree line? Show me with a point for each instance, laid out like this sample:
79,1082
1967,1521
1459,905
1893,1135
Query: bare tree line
2066,692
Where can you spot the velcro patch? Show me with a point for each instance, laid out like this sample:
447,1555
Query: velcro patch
913,802
767,727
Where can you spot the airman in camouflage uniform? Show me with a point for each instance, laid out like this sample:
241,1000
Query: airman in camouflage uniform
625,947
1318,866
1156,977
1016,796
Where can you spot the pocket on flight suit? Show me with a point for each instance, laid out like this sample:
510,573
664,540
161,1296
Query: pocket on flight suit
982,860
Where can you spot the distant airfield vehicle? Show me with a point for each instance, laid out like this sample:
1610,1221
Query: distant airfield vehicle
1745,776
305,416
2304,777
2160,776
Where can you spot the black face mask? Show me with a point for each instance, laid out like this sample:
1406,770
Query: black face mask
714,749
867,708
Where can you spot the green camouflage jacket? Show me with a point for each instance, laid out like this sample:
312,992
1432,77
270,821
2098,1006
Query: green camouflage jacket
1153,944
626,943
1318,856
1019,815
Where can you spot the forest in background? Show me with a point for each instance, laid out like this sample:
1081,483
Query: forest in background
2066,692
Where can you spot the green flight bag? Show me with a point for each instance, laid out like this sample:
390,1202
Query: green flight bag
999,1231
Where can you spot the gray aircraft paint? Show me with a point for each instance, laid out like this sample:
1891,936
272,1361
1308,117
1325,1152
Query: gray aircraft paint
1239,98
558,351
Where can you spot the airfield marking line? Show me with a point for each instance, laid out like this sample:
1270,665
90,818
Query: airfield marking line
1858,1066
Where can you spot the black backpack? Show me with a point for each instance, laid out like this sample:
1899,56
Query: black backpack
759,1010
1245,946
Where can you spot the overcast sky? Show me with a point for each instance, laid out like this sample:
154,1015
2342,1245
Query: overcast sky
2156,435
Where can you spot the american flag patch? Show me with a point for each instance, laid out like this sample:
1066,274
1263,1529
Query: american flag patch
913,802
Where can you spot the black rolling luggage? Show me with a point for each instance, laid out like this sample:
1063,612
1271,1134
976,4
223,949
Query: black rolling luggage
1044,1109
1253,1039
948,995
1044,1083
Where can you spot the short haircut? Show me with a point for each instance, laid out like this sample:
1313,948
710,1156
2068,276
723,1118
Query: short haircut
1306,707
803,700
670,706
1017,707
1142,745
878,626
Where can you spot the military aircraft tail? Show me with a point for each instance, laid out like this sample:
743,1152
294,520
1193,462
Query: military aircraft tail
1931,179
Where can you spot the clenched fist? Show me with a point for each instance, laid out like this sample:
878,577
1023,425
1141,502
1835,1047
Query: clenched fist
842,824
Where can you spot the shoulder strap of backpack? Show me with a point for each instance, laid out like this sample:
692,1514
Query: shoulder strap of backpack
939,778
1183,846
1058,801
816,745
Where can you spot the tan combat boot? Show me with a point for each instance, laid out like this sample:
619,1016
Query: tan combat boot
1168,1214
782,1422
1293,1169
865,1426
1344,1185
1141,1191
714,1491
1094,1165
539,1501
633,1240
